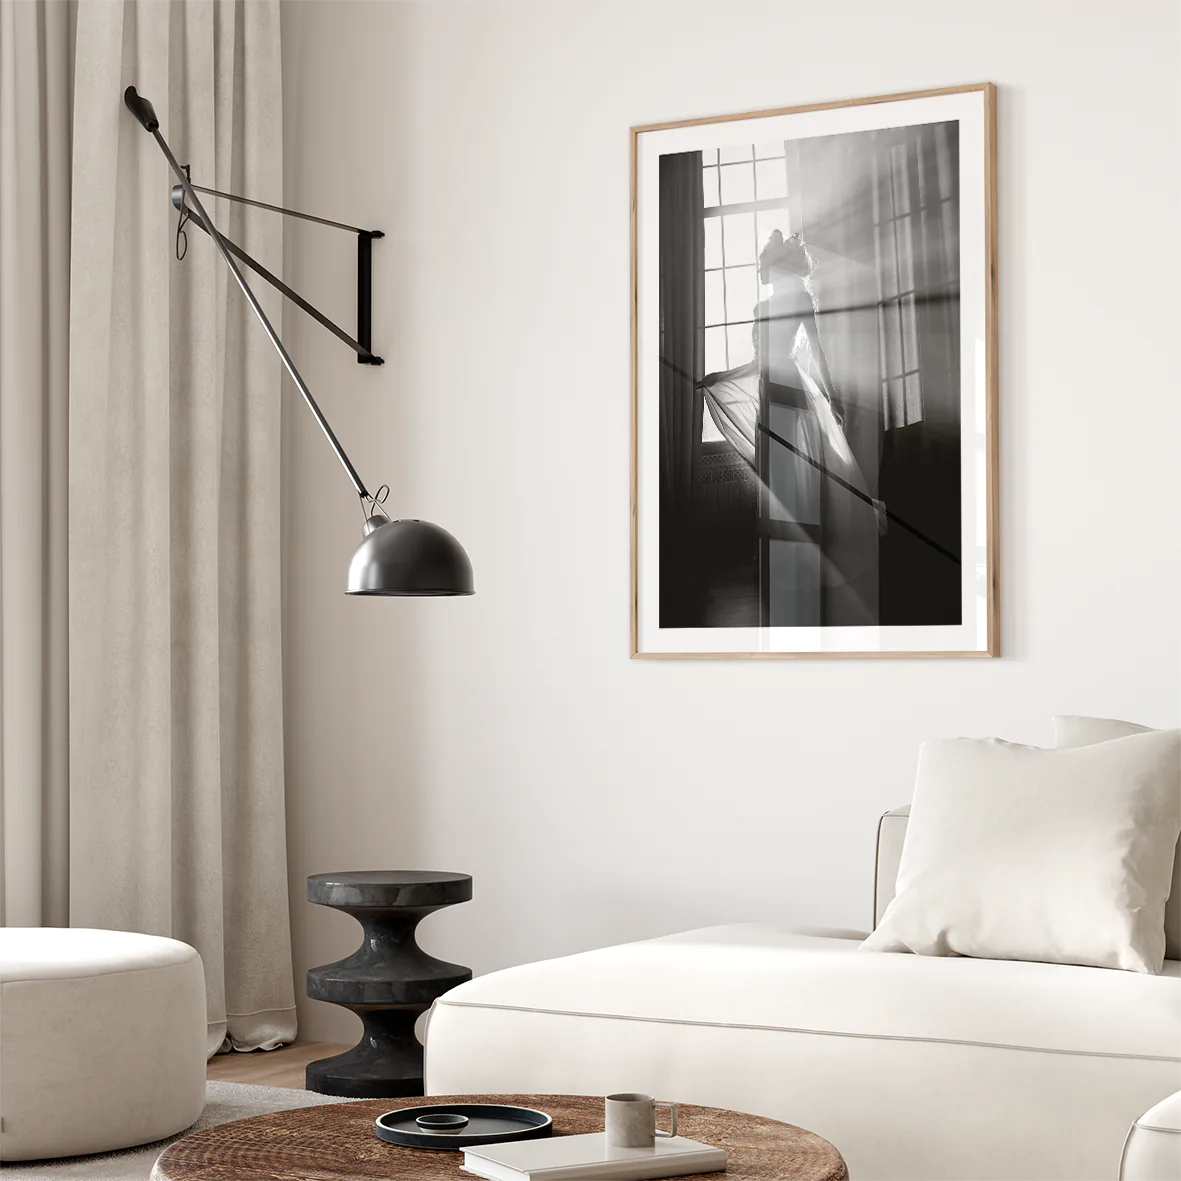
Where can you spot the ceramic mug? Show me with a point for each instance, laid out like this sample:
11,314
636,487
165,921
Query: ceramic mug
630,1119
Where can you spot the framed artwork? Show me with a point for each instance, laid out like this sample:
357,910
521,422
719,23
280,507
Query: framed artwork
814,380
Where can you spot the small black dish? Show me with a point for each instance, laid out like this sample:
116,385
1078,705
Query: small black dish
442,1121
483,1123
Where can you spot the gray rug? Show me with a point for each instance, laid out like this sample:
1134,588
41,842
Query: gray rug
223,1102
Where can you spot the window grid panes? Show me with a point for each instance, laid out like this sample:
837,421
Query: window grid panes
745,192
896,210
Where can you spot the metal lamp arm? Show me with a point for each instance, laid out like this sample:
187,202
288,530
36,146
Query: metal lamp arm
363,353
144,112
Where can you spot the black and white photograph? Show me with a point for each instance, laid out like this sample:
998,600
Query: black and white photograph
812,478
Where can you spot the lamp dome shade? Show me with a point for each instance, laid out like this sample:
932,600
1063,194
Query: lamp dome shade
410,558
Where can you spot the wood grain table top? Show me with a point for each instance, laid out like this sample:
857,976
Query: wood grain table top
336,1142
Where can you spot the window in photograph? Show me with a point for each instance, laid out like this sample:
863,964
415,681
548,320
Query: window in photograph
745,199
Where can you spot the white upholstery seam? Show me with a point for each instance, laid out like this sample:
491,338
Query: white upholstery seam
100,975
1123,1152
886,1037
1154,1128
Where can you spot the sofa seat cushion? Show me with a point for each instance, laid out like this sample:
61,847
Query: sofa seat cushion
760,977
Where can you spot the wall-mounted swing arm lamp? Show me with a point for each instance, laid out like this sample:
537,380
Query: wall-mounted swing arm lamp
396,557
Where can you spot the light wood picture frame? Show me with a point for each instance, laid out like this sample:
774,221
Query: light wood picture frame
814,380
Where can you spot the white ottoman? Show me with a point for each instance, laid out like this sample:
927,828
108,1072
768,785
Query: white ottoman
1153,1148
102,1040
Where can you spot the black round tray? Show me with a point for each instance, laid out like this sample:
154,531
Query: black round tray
488,1123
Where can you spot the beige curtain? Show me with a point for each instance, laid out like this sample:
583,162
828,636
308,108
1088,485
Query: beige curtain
35,74
176,788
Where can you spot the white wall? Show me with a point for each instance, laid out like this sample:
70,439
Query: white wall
595,798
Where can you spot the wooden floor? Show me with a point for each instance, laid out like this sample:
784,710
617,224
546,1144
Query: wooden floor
283,1067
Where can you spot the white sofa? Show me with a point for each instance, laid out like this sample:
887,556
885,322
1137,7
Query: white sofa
913,1066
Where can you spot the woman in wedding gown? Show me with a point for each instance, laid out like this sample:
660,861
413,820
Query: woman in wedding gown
827,488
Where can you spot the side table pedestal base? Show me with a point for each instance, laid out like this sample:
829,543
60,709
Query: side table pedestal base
388,981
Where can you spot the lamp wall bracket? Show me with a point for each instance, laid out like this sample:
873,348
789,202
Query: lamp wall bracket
362,345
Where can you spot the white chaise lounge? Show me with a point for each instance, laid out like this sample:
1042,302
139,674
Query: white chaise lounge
914,1066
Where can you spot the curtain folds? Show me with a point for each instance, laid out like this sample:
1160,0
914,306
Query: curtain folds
176,745
35,77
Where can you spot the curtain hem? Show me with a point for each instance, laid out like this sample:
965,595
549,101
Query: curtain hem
244,1032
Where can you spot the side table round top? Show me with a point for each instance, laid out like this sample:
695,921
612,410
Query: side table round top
336,1142
389,888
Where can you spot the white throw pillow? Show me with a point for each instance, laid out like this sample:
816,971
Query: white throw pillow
1073,731
1019,853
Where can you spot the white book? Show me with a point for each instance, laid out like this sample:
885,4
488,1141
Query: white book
572,1158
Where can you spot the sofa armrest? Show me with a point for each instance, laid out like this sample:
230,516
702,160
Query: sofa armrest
832,933
891,833
1152,1151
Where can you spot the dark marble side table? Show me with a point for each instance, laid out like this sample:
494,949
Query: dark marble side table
388,981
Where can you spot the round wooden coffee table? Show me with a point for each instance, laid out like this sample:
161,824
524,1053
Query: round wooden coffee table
336,1142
